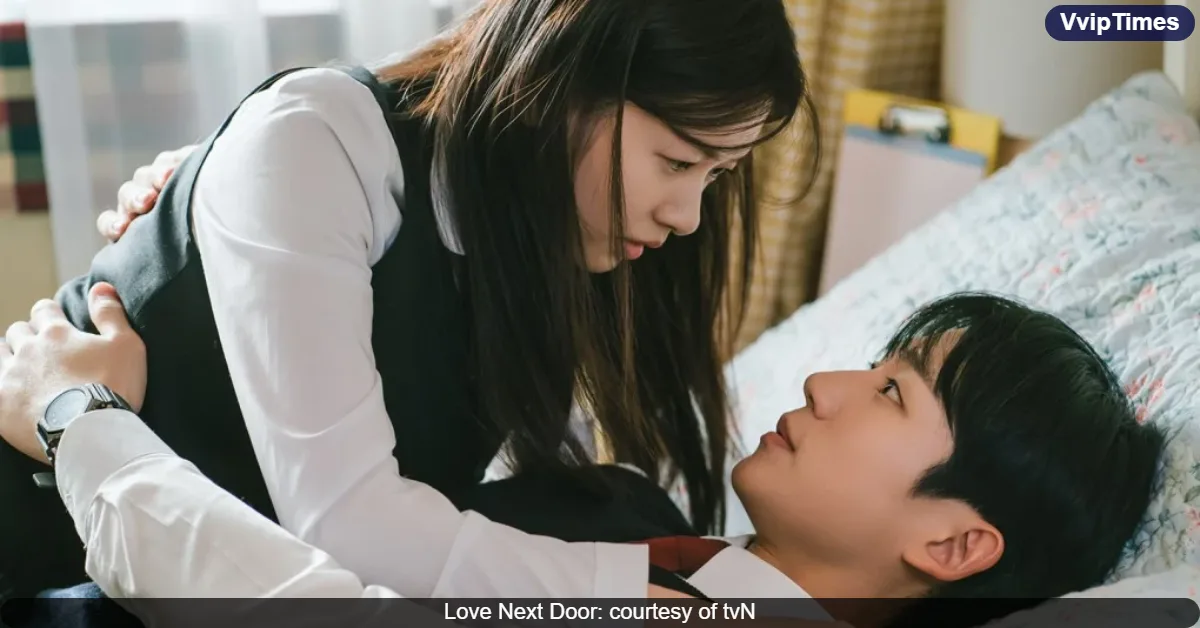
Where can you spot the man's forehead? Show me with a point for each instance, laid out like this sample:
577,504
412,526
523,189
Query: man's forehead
926,355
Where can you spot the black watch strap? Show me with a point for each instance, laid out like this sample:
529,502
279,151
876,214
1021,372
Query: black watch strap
105,397
64,409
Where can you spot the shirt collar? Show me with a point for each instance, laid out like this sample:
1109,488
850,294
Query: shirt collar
736,573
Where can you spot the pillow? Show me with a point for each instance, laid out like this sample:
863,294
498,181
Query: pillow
1099,223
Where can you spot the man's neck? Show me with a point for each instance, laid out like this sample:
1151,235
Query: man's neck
841,590
818,578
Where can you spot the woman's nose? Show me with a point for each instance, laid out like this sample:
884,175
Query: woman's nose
682,215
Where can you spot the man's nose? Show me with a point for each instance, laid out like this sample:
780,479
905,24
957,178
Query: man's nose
827,393
816,395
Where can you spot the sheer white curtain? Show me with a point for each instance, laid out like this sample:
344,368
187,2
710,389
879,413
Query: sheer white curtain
118,81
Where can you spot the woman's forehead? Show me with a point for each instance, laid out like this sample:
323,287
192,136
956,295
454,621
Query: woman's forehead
719,142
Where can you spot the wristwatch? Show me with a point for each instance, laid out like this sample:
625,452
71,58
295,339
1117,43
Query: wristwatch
68,406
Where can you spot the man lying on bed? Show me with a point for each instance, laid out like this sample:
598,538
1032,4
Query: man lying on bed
989,453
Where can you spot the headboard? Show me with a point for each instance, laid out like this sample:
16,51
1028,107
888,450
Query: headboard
1181,62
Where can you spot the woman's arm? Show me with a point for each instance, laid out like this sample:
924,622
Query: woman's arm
155,527
292,208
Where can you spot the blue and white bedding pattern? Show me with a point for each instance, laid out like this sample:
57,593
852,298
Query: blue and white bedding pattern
1099,223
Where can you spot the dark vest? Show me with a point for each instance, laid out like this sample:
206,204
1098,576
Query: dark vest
422,354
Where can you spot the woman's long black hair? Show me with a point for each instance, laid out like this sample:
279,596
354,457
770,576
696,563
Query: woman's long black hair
642,346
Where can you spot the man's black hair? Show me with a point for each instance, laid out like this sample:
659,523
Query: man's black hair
1047,446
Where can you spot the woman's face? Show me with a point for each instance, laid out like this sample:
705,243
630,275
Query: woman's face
664,177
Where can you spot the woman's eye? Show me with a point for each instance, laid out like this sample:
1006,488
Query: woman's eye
716,173
679,166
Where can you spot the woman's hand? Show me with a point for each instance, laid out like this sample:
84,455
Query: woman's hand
138,195
46,355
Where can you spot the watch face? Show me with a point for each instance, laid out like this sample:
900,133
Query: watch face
64,408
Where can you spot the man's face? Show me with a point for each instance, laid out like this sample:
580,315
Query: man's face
837,478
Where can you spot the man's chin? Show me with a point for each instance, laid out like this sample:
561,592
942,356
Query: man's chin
742,476
750,480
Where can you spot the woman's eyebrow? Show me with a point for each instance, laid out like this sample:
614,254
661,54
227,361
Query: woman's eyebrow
733,153
725,154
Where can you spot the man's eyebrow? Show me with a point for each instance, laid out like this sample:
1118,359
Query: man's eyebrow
918,361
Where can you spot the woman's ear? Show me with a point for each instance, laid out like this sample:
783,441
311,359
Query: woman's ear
961,546
584,128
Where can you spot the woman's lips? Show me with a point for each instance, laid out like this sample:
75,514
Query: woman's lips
635,248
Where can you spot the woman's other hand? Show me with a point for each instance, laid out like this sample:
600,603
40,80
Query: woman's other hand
138,195
46,355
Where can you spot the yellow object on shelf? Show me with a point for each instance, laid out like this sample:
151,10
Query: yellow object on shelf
901,161
969,130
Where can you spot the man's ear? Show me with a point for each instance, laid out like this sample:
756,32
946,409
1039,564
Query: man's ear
962,546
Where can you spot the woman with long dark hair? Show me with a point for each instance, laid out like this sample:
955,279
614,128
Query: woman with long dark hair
400,272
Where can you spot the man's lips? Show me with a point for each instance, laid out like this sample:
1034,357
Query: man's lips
780,437
781,428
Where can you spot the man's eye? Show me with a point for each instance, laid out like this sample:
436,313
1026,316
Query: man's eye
892,389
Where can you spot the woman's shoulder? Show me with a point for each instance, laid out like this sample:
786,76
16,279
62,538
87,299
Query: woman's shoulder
311,127
320,87
329,95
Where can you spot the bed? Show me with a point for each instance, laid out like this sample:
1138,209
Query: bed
1098,223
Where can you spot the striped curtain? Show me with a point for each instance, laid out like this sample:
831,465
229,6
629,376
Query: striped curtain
129,79
22,181
27,270
890,45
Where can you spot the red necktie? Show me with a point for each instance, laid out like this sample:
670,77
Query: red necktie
683,555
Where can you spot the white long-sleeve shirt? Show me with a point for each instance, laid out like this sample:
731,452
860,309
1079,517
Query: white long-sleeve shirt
292,208
155,527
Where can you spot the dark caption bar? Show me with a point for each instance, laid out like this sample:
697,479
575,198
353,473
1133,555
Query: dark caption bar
593,613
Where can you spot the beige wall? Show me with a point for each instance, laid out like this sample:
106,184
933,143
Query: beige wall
1181,60
26,265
